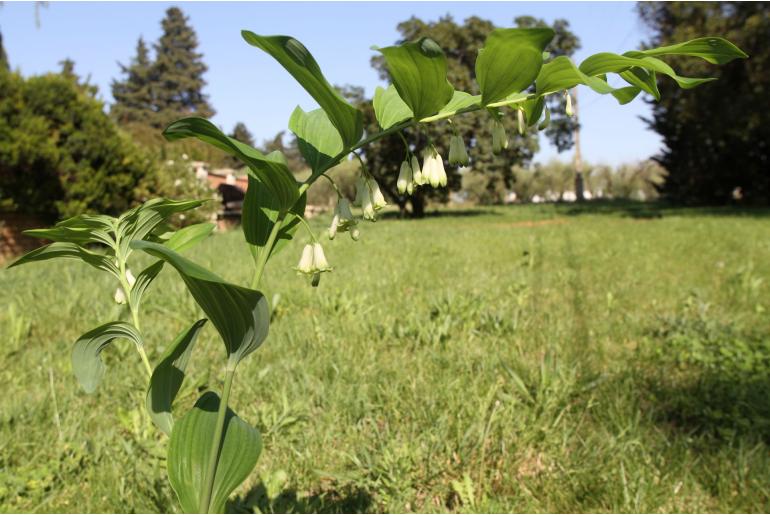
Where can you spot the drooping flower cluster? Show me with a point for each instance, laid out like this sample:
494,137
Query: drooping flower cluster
457,153
499,137
369,197
433,172
313,262
343,220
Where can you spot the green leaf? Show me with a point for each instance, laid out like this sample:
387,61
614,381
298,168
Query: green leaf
240,315
272,169
260,213
510,61
533,109
167,377
460,100
641,79
188,455
87,363
189,236
418,70
81,229
715,50
140,221
561,73
143,280
627,94
389,108
298,61
606,62
317,139
68,250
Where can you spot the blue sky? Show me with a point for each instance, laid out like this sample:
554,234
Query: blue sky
247,85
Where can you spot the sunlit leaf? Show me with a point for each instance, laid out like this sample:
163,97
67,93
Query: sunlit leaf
606,62
460,100
272,169
418,70
713,49
189,236
167,377
298,61
188,455
317,139
87,362
389,108
561,73
510,61
68,250
240,315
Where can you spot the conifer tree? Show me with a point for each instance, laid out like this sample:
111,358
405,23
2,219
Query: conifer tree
177,72
242,134
4,65
133,95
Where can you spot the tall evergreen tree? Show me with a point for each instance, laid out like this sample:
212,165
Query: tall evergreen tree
4,65
177,72
133,95
716,137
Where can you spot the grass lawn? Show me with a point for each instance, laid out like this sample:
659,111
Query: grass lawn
613,357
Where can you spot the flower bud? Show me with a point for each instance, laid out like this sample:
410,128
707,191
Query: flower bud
120,296
404,177
305,265
364,198
130,277
457,153
522,123
499,137
439,172
568,109
334,225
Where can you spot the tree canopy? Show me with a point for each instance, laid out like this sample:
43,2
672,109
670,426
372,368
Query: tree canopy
715,136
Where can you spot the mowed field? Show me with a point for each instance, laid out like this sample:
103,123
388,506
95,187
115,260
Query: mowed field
613,357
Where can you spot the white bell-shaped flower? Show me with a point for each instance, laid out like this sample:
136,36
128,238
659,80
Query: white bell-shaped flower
404,177
522,123
457,153
569,109
120,296
378,199
364,198
305,265
343,218
319,259
419,180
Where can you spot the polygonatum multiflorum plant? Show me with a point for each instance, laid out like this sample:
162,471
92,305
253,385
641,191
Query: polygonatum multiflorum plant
211,450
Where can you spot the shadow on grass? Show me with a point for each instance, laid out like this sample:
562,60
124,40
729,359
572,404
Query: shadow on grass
348,499
442,213
658,209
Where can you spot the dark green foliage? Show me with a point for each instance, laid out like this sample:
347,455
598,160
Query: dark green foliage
715,136
177,72
60,155
4,64
133,95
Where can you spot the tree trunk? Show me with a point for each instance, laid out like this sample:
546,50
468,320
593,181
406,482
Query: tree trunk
418,205
578,159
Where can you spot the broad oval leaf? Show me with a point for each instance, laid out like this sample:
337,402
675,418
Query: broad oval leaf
260,213
87,362
68,250
561,73
299,62
188,455
317,139
713,49
418,70
389,108
167,377
240,315
460,100
271,169
140,221
189,236
510,61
